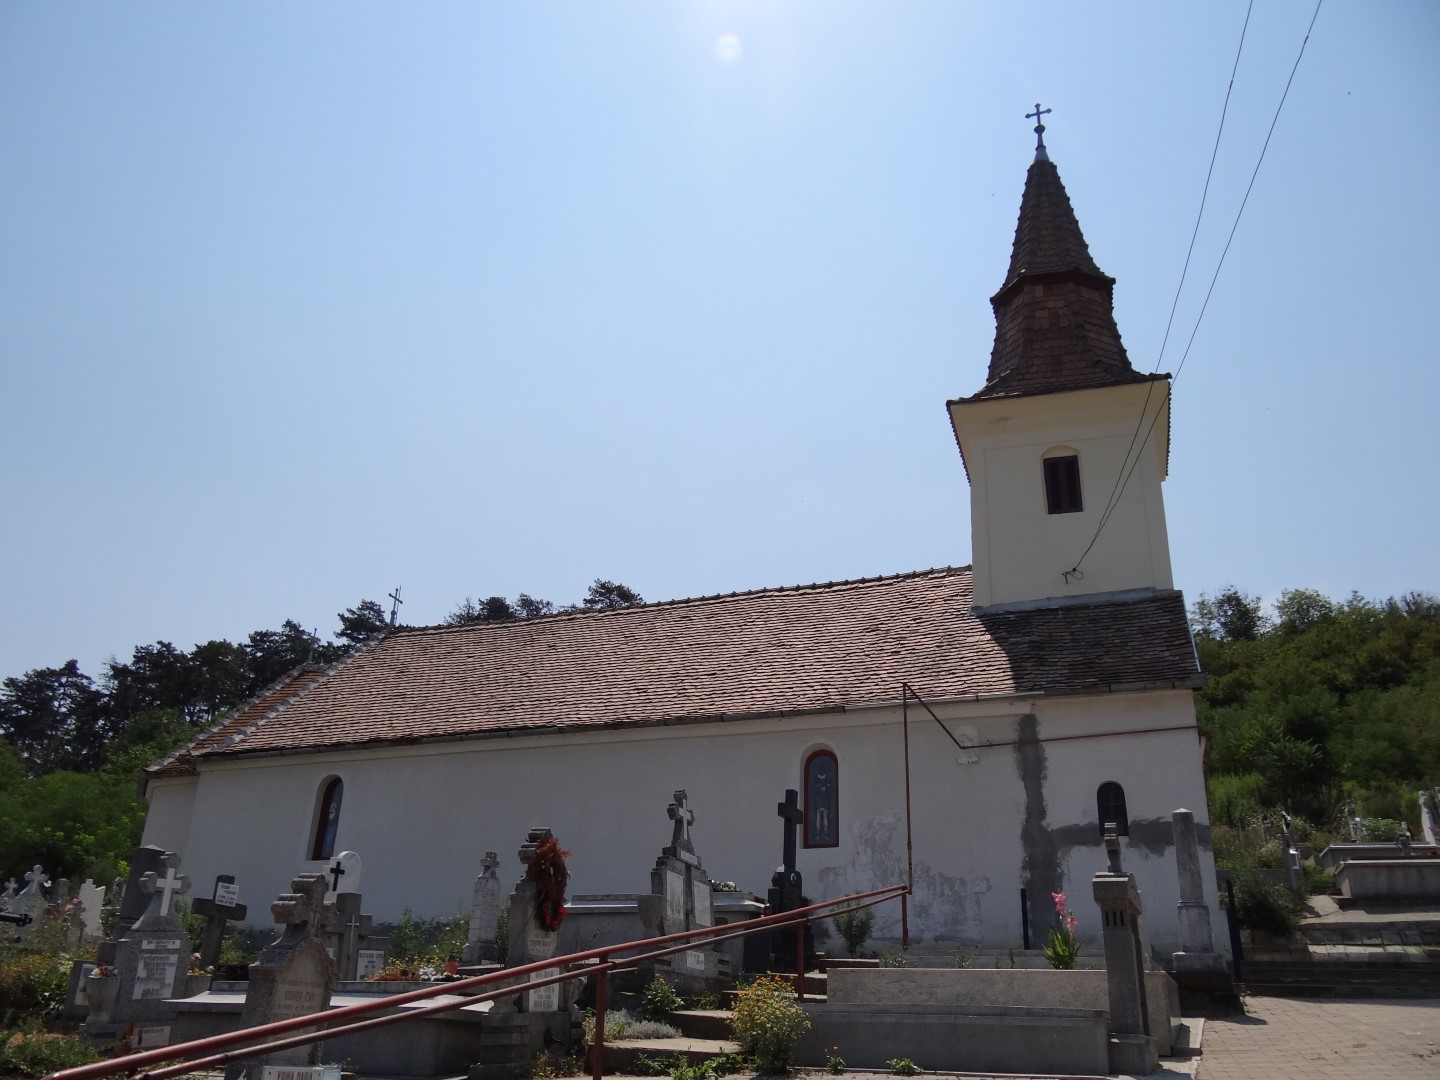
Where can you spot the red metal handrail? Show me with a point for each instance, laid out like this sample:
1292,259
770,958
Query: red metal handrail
510,977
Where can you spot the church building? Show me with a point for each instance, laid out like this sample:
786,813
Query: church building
997,715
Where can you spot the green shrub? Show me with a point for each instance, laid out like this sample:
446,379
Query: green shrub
710,1069
854,929
1318,880
40,1053
1262,906
904,1067
1381,830
767,1020
659,999
32,985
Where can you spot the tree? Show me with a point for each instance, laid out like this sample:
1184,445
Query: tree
608,595
272,653
1228,616
54,718
531,608
1300,609
491,609
361,622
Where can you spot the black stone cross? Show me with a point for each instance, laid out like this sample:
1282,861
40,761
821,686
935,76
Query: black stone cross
794,817
1037,116
216,916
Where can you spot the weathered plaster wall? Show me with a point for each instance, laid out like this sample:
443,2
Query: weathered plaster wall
988,820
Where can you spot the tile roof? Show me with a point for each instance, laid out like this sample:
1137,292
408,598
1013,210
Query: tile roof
808,648
1054,320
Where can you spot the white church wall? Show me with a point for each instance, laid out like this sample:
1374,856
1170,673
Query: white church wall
1020,549
422,816
172,803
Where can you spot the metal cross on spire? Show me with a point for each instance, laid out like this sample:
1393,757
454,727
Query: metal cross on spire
395,596
1038,117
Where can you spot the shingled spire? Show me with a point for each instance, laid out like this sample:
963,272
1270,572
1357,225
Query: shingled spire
1054,319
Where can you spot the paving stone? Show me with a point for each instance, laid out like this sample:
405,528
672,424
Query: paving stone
1300,1039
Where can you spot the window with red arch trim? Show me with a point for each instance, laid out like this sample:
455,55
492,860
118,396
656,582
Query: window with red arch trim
327,821
822,800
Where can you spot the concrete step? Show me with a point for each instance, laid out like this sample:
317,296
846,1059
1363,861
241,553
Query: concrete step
703,1023
1373,977
621,1057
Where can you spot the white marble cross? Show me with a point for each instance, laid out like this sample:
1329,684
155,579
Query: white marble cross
35,880
166,886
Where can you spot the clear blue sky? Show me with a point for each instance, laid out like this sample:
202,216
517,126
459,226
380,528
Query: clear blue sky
301,302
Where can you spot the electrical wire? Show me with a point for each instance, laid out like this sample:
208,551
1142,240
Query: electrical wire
1127,468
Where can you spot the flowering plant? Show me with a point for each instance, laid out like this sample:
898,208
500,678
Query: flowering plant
767,1020
1061,947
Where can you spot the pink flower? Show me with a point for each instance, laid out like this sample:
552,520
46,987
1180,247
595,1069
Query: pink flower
1059,898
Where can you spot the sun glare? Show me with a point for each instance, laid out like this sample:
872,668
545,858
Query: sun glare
728,48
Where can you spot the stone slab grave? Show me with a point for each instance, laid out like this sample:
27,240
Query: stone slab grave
151,963
680,900
294,977
480,944
542,1019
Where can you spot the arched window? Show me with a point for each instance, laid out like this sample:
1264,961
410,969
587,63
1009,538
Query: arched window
1062,481
822,800
327,819
1110,805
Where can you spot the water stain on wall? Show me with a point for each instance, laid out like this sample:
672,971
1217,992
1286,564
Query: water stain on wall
1040,868
942,907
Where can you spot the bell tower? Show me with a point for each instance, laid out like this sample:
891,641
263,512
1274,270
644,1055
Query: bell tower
1066,445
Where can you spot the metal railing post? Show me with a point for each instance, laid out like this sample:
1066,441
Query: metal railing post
800,958
602,998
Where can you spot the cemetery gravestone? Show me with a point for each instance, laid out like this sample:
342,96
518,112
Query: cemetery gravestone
787,889
92,902
294,977
541,1019
342,875
679,900
222,906
152,961
1132,1050
30,904
480,946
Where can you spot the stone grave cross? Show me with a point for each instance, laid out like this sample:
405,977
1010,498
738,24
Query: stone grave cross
219,908
161,891
683,817
1112,847
35,880
9,892
794,817
342,875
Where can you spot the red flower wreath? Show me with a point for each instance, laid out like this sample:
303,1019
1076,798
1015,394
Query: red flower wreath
547,871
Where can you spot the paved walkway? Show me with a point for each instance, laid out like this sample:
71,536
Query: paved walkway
1299,1039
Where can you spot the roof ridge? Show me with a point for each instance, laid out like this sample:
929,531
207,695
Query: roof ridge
707,598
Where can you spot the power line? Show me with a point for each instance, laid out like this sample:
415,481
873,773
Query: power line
1128,467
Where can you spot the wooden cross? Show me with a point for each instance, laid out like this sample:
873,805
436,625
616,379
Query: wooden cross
216,916
1039,125
683,817
794,817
